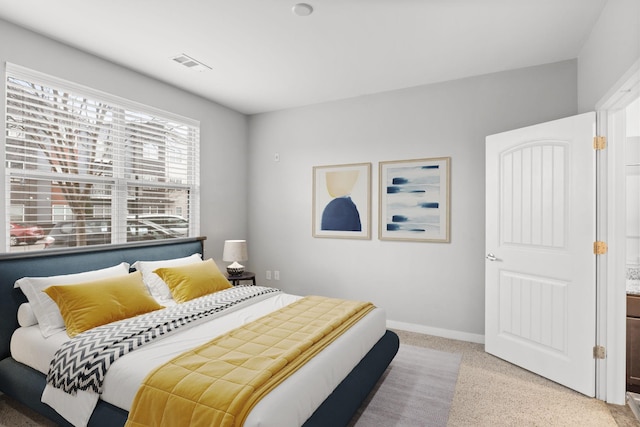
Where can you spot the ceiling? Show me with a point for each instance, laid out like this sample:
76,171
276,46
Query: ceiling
262,57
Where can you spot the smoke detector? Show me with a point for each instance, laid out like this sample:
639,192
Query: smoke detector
190,62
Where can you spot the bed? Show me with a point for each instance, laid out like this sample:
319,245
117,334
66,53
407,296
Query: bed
26,384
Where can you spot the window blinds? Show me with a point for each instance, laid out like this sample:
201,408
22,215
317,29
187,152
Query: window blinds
80,156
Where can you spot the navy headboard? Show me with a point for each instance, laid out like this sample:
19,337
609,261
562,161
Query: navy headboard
51,263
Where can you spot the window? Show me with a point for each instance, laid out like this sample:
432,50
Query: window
75,157
16,213
61,213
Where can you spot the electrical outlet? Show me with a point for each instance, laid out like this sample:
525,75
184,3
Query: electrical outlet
276,274
268,275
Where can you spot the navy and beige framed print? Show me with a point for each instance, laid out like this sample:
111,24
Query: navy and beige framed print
415,200
342,201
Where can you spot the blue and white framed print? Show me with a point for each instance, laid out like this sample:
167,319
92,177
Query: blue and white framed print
414,200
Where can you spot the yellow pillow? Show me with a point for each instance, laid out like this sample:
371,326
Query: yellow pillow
194,280
87,305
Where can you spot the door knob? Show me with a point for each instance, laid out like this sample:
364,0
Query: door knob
491,257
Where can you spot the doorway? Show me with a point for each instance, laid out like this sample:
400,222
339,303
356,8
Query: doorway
611,227
618,118
632,272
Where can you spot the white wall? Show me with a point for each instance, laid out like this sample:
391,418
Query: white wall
609,52
223,136
430,287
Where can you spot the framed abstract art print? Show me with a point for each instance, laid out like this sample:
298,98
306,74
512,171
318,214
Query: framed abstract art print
342,201
415,200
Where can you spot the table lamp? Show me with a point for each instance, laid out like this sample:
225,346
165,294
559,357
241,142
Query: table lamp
234,251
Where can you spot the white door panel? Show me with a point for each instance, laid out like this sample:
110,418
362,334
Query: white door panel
540,227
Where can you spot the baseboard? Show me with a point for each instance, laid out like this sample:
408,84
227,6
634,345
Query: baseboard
633,400
438,332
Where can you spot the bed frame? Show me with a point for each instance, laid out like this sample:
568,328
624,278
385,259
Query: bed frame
25,384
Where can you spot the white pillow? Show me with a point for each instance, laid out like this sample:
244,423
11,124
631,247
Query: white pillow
44,308
26,316
157,287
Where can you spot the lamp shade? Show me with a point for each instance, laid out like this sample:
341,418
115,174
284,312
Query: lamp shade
235,250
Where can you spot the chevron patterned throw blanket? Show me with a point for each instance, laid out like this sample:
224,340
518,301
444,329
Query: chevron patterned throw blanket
82,362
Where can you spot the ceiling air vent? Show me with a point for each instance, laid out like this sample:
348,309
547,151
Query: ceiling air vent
191,63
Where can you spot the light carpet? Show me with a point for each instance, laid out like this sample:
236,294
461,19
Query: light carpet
416,390
491,392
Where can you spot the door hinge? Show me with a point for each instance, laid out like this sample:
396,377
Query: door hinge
599,248
599,352
599,142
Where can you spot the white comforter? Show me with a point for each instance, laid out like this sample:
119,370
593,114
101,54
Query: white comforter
288,405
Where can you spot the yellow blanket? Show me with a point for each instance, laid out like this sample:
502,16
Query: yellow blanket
218,383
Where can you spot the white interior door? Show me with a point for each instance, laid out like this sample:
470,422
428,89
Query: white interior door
540,274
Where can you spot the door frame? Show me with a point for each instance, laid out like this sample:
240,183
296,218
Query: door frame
611,216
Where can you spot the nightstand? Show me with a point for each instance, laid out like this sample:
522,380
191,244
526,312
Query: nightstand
245,275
